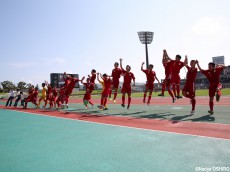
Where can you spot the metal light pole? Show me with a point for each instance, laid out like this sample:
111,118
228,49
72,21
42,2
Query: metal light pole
146,37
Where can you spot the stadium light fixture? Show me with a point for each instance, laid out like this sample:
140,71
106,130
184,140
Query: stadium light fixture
146,38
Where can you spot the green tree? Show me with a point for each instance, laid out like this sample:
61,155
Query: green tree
37,86
21,85
7,85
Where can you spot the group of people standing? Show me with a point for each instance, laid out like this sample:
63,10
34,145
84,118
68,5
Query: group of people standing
59,98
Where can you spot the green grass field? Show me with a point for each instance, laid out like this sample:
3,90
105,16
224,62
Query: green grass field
97,93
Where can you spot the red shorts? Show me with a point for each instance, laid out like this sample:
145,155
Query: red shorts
31,99
126,88
87,96
115,84
190,89
105,93
213,88
149,86
175,79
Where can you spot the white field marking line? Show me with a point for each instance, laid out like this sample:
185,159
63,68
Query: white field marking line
114,125
211,123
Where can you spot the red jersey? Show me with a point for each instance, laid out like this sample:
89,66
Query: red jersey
72,83
128,76
150,75
55,92
35,94
191,74
116,73
67,81
49,90
31,90
176,66
92,78
88,87
107,84
168,68
213,75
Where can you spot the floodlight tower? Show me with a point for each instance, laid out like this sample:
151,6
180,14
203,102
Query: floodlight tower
146,37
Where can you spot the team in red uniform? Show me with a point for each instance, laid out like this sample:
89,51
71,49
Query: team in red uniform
151,76
189,87
126,87
116,74
213,76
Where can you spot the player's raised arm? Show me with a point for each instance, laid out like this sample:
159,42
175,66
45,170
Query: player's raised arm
166,55
197,62
82,79
186,60
142,66
121,64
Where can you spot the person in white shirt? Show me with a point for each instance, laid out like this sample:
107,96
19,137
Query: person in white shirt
23,99
19,96
10,99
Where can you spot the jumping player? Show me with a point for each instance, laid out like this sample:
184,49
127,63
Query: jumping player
126,87
168,74
116,74
189,87
92,78
175,80
151,76
107,82
213,76
48,93
88,91
70,87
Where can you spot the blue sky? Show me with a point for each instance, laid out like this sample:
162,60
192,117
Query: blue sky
39,37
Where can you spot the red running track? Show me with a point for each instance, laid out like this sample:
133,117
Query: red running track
190,128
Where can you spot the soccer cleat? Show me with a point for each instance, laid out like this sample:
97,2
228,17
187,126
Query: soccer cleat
128,107
86,107
161,94
211,112
192,112
100,106
148,103
122,105
173,100
114,101
67,106
105,109
110,98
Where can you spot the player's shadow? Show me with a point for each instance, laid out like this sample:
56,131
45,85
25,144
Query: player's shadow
126,113
205,118
175,119
156,115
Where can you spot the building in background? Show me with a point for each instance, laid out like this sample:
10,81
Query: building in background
57,79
